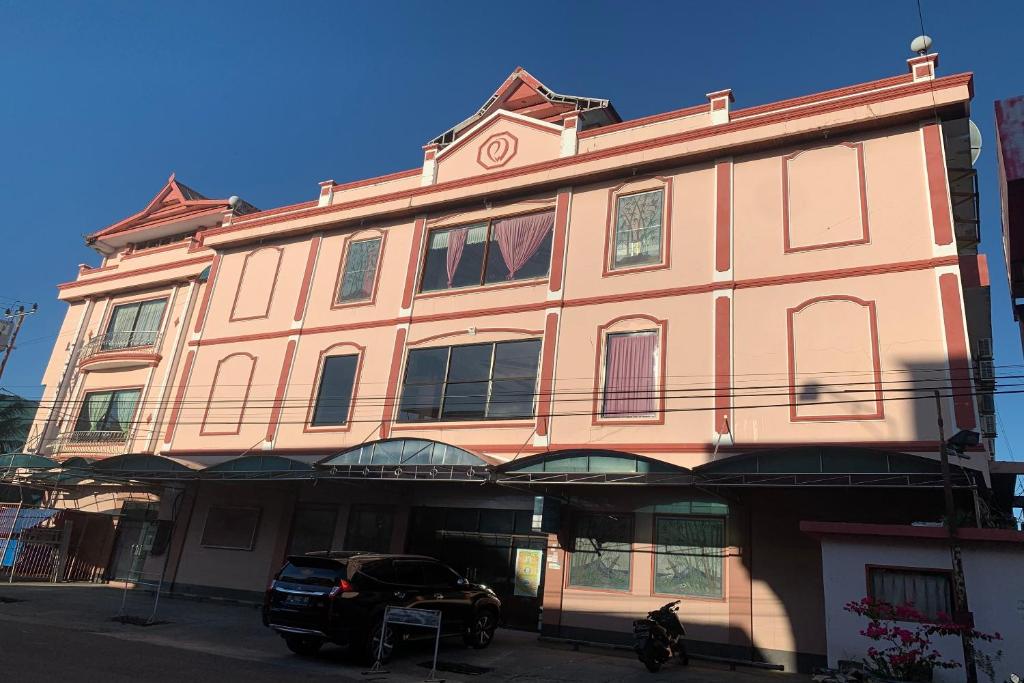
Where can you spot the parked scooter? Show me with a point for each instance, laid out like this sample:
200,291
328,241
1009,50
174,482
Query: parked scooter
660,637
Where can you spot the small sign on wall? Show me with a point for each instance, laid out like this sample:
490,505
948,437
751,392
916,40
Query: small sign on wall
528,568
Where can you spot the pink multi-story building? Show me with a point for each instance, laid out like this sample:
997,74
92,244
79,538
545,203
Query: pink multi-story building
678,337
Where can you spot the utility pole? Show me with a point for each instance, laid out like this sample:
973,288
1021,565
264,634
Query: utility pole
961,612
19,318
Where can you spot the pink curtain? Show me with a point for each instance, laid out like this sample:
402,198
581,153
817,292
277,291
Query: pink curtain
520,237
629,376
456,243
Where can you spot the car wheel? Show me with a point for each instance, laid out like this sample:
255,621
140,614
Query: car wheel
481,629
372,647
303,645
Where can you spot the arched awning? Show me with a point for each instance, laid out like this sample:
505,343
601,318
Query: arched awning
405,459
832,465
139,466
259,467
28,461
593,466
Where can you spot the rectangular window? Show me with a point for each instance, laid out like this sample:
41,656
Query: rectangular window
929,591
334,397
133,325
638,223
629,384
471,382
231,528
360,270
312,529
514,248
601,557
107,413
689,556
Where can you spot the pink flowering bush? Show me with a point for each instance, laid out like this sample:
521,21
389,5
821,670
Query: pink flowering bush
906,654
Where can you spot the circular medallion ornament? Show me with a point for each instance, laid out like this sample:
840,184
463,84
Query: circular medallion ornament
497,150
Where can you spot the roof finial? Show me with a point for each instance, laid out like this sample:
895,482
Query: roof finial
171,179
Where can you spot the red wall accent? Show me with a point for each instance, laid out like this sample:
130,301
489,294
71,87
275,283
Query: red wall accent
723,363
935,164
282,385
723,216
558,245
307,277
414,260
204,305
547,373
179,396
390,401
956,347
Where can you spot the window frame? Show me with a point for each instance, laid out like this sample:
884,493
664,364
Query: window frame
488,223
631,188
725,554
255,527
355,238
138,303
934,571
571,556
314,396
113,392
399,421
630,324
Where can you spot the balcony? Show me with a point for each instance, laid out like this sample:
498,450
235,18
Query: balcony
90,443
130,348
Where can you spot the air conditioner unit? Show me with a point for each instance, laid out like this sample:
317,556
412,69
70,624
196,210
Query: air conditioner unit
985,350
986,371
986,404
988,426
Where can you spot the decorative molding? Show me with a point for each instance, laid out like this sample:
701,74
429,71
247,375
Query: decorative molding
865,237
242,284
547,374
307,278
723,364
958,351
497,150
938,190
559,240
390,403
282,388
179,397
876,363
203,431
723,216
412,271
131,273
204,305
479,330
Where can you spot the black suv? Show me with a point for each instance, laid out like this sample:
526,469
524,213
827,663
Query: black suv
340,596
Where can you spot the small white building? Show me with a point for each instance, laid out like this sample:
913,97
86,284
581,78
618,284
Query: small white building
897,562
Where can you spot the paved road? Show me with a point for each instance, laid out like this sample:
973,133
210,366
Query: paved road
31,652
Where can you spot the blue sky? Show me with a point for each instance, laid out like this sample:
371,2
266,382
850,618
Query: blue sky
101,101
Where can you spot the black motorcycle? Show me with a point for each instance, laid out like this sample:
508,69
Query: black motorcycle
660,637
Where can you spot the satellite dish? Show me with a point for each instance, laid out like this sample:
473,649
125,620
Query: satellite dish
233,201
975,137
921,44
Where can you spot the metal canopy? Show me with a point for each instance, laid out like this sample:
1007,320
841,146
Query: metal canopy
26,461
258,467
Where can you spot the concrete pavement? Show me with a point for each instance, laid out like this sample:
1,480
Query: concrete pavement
66,630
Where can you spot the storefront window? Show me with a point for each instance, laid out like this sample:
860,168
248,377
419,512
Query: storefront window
601,558
369,528
689,556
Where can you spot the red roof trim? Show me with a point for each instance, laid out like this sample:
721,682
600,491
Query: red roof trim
908,531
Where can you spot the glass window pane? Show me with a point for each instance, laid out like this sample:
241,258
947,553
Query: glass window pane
465,401
601,558
511,398
420,403
629,380
520,247
335,394
638,228
516,359
119,329
360,270
417,452
147,326
928,592
388,452
689,556
470,363
94,409
120,412
454,257
426,366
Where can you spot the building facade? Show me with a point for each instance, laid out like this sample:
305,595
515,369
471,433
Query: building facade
596,363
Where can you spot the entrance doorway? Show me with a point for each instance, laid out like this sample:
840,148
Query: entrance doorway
136,530
492,547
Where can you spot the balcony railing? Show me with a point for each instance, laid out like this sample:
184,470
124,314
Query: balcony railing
120,341
88,442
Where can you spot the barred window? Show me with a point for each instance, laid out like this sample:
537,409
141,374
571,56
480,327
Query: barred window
638,224
689,556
